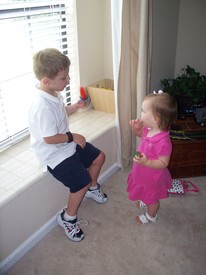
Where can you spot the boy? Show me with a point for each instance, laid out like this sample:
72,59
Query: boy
67,156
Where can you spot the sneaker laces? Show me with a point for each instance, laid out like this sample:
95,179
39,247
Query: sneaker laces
74,228
98,191
76,224
83,222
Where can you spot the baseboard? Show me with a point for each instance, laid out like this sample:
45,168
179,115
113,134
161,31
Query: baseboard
108,173
18,253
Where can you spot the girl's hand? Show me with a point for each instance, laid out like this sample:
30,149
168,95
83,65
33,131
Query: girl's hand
160,163
137,127
140,159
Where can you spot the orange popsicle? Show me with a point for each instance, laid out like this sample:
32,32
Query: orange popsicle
83,94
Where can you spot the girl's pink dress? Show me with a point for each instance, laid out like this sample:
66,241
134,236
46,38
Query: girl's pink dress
147,184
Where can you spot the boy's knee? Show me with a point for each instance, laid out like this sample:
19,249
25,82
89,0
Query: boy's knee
101,158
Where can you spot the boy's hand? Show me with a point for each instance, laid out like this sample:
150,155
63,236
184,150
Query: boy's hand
81,104
74,107
79,139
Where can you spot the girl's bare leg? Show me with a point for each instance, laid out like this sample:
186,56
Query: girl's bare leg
153,209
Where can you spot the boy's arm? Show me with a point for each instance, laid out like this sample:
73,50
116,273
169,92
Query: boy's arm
74,107
63,138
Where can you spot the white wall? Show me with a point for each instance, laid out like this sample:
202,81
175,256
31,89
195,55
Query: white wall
165,27
108,66
179,38
191,44
94,38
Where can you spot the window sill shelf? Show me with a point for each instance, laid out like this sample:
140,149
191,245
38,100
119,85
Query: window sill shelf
19,167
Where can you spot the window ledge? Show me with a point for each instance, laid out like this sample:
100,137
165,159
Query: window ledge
19,167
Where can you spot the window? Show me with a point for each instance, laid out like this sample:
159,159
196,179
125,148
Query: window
27,26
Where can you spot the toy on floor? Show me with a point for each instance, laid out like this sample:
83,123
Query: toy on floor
84,96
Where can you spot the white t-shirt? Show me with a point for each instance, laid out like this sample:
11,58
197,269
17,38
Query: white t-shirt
47,117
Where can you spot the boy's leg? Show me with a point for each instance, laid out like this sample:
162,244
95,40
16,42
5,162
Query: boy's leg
75,200
95,191
70,225
93,159
73,175
95,168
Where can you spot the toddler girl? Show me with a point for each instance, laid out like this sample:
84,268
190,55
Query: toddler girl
150,178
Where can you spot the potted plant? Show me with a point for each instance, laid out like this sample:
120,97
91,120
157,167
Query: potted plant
189,88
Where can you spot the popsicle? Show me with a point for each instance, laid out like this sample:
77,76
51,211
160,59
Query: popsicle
84,96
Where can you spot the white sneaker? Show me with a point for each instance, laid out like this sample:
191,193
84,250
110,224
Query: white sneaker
97,194
71,228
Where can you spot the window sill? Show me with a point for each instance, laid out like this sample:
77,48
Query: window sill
19,167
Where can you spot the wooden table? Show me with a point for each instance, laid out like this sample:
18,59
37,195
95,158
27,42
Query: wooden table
189,154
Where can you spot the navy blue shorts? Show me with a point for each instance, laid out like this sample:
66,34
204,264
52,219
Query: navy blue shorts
72,172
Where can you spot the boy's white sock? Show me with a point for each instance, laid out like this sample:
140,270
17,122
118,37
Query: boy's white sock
93,187
68,217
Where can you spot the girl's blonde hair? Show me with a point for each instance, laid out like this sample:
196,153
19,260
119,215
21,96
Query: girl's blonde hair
164,107
49,62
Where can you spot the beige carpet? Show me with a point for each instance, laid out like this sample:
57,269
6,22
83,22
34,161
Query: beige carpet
115,244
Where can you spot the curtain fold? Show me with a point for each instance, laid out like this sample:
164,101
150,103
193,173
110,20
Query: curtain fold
133,75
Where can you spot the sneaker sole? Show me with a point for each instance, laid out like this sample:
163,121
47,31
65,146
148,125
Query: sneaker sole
61,224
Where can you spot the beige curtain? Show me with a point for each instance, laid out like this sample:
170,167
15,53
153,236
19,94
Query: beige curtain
134,71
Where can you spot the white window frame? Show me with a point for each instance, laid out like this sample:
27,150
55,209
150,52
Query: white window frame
14,101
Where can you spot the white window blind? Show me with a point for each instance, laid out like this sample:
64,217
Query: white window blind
27,26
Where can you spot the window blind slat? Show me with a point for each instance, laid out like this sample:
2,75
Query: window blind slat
10,5
24,13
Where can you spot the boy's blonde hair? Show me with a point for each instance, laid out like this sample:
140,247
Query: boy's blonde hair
164,107
48,62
